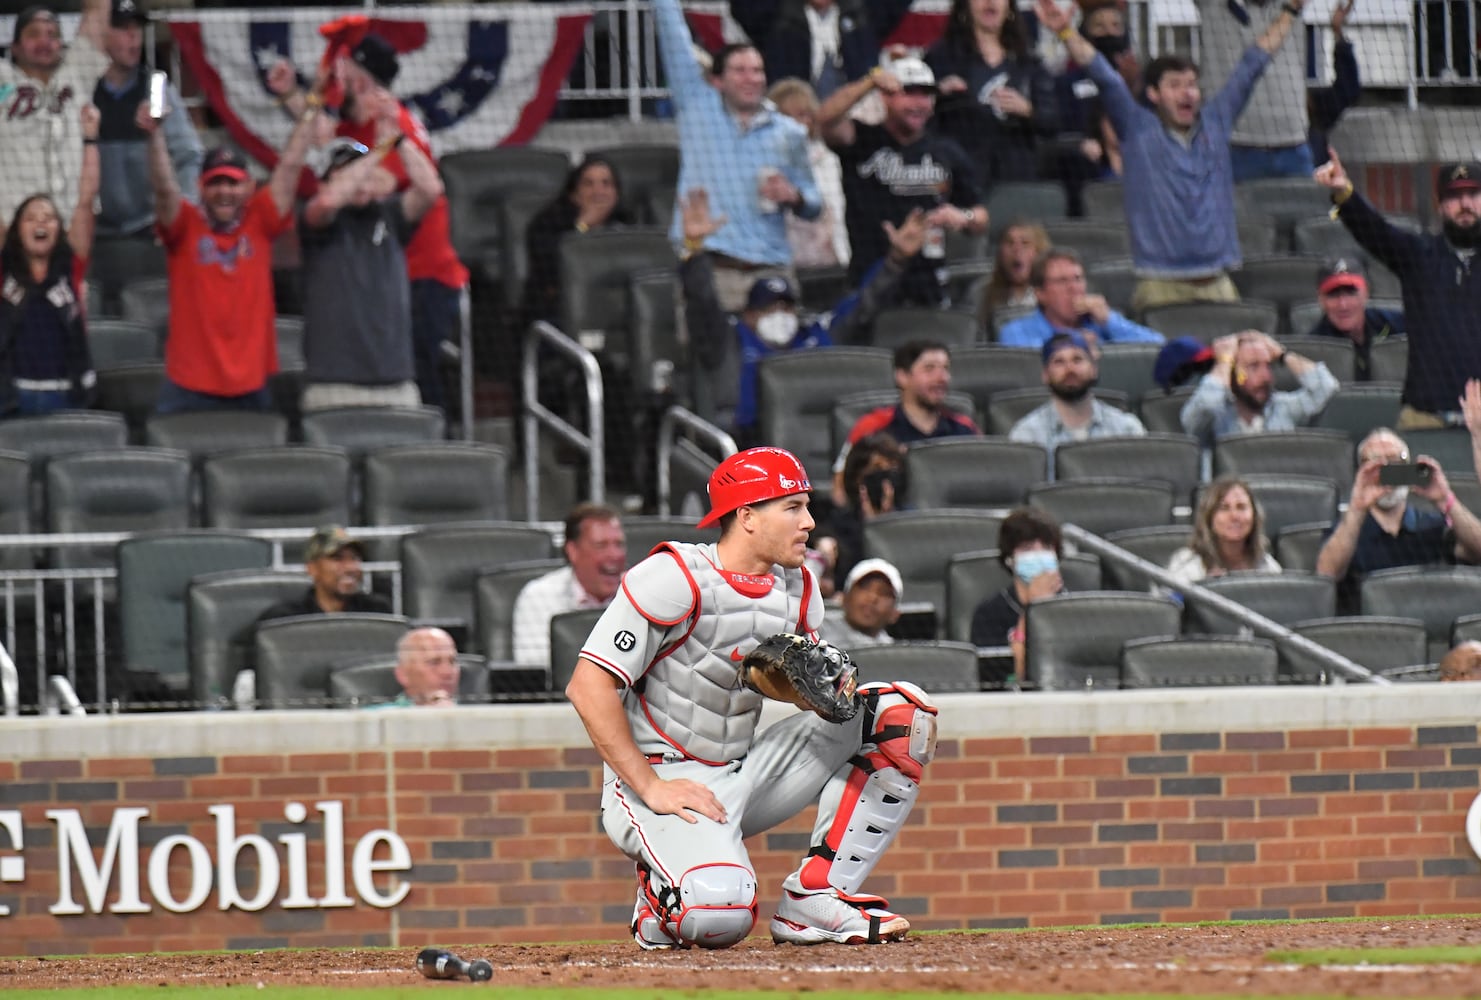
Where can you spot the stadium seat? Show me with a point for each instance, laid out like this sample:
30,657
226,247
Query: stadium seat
294,656
822,288
1450,447
569,631
1388,360
1105,505
1367,640
372,681
848,409
1283,279
640,168
516,212
221,624
1161,411
596,268
436,482
1090,240
1105,202
126,489
971,472
973,577
1202,661
1168,458
146,301
361,429
290,342
1286,200
1336,353
1011,200
1360,407
1208,321
479,181
937,667
155,571
292,487
15,509
1007,407
1128,368
981,371
1297,545
1074,640
1156,545
1465,629
895,327
643,533
114,342
131,391
1288,499
439,565
62,433
796,393
655,335
1115,279
1284,598
494,594
203,433
921,543
1259,235
1322,236
1303,452
1436,595
689,476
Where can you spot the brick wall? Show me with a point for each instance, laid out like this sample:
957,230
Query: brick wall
1070,822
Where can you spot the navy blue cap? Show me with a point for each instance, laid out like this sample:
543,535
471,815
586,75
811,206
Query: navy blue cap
767,291
1179,359
1061,340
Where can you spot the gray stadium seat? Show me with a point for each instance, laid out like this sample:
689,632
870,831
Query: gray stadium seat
212,432
1287,200
1155,545
568,633
1336,353
15,508
1208,321
1450,447
1037,200
1009,406
973,577
1091,240
1128,368
595,270
121,342
1369,641
295,655
894,327
1388,360
1436,595
292,487
1105,202
1284,598
155,572
922,542
643,533
221,622
128,489
436,482
1358,408
1161,411
289,331
1074,640
373,681
642,167
655,335
1279,278
1259,235
937,667
479,181
62,433
1304,452
1297,545
1202,661
1465,628
515,213
821,288
1168,458
1105,505
131,391
796,393
981,371
439,565
1116,280
971,472
494,594
361,429
147,301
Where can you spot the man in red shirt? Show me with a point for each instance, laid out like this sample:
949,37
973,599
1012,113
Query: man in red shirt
222,342
437,276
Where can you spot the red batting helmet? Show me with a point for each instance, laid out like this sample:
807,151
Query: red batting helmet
752,476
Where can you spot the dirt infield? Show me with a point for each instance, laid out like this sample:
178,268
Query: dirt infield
1109,960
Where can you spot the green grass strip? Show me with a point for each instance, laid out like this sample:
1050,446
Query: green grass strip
1451,954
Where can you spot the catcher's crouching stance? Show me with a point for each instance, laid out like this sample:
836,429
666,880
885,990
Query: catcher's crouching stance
669,686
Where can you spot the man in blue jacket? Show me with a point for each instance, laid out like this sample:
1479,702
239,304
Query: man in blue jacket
1065,306
1178,176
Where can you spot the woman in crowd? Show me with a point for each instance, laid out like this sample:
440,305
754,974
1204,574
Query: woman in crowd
997,100
820,242
1228,535
45,363
1030,547
590,199
873,484
1009,294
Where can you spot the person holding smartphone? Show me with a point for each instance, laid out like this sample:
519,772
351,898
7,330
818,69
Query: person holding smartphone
1030,545
1381,530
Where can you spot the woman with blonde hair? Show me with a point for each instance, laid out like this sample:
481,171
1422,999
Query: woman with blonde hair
1228,535
1009,293
820,242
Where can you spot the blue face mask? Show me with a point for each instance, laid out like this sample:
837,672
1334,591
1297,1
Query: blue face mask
1027,565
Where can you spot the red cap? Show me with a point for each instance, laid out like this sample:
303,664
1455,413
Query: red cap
223,162
753,476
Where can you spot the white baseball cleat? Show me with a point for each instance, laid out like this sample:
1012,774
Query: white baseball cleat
817,916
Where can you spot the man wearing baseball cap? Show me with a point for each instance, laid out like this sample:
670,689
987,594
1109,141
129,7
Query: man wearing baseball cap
770,323
897,166
1440,282
44,83
1072,413
1342,291
871,604
333,559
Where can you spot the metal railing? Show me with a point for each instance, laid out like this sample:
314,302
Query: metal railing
674,419
537,415
1340,666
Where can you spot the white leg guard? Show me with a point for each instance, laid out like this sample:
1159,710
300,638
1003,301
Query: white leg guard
717,906
863,815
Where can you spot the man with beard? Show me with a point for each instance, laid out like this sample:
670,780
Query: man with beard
896,167
333,560
1065,306
1238,394
357,337
1441,287
1342,292
1072,413
1381,531
222,343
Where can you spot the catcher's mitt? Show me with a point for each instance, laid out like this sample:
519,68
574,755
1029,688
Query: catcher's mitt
813,675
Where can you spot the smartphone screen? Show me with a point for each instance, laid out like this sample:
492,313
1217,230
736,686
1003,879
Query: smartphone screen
1404,475
156,95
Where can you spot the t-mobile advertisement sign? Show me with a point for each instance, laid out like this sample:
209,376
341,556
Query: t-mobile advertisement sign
181,873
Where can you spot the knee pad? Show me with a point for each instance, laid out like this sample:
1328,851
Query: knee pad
717,905
900,721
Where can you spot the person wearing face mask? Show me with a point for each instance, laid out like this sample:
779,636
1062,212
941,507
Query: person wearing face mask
1238,394
1228,535
1030,546
1382,530
1440,283
1088,148
1072,413
769,323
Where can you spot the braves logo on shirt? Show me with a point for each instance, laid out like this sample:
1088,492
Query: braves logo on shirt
888,167
208,253
27,100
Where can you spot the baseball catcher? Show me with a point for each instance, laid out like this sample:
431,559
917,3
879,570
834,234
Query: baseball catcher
670,686
799,671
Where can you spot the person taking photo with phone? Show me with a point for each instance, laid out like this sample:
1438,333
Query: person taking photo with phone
1383,530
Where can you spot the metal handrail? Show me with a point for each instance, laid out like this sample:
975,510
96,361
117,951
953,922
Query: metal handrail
668,427
65,695
10,683
536,414
1340,665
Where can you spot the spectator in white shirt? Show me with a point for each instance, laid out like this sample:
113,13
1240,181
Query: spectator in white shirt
871,604
596,556
820,242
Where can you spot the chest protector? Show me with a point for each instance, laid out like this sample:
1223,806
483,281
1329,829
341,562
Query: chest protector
691,699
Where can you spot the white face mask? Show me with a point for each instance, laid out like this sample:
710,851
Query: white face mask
1393,498
777,328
